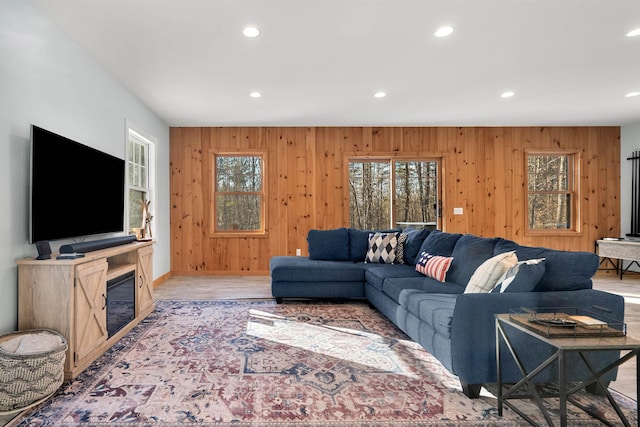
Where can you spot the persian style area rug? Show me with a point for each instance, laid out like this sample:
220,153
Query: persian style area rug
255,363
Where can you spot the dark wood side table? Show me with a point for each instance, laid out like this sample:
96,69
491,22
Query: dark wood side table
563,345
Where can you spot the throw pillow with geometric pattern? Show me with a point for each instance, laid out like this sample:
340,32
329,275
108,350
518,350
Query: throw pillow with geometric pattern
402,239
382,248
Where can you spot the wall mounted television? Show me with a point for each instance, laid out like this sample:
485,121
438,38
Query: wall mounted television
76,190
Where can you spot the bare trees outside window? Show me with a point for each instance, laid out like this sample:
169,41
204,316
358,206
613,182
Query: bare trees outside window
140,176
551,191
239,193
386,193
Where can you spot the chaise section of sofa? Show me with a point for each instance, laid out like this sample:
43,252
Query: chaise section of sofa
301,277
453,319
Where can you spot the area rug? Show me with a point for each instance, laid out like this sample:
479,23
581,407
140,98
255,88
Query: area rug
256,363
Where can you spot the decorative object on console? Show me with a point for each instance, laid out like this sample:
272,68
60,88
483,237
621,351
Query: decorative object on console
44,250
146,220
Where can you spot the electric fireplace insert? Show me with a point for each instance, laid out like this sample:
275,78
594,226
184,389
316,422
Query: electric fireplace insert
121,306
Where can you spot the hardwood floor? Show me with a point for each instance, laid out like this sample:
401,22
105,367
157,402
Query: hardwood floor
214,288
629,288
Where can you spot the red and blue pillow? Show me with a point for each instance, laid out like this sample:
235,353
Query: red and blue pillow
434,266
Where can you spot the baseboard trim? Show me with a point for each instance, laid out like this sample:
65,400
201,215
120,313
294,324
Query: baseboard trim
222,273
161,279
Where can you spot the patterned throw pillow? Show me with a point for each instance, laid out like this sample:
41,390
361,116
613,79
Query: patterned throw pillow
402,240
434,266
486,276
382,248
522,277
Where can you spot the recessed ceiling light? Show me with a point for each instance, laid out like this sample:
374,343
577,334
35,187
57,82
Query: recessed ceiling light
507,94
251,32
632,94
255,94
634,33
380,94
444,31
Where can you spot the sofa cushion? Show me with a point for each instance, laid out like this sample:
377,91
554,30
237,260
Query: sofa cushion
522,277
303,269
564,270
487,275
469,253
415,238
376,274
329,245
433,309
359,242
434,266
382,248
394,287
439,243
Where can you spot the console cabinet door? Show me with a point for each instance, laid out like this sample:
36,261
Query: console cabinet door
144,281
90,299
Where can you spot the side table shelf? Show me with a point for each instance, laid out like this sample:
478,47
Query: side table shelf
563,345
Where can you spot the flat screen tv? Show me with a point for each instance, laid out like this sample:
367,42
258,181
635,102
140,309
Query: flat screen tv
76,190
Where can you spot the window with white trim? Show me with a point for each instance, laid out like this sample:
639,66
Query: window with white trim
140,173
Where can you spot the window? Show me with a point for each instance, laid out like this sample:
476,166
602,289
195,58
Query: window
551,191
239,196
140,177
387,193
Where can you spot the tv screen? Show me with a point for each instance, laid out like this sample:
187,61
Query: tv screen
76,190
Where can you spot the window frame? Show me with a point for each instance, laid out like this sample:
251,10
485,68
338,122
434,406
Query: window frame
573,189
392,159
149,142
213,229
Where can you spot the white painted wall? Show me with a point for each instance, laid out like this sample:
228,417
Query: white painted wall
629,142
46,79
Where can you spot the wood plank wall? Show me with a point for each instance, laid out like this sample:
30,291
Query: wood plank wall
483,172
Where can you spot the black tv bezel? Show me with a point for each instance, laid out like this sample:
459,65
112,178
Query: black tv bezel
114,226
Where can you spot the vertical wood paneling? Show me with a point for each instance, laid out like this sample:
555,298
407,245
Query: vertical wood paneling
483,171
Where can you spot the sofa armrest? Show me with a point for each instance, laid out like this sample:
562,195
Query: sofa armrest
473,326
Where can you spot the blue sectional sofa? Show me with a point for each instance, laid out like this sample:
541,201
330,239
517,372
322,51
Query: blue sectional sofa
455,326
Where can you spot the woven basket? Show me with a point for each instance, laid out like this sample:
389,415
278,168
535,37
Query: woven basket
28,379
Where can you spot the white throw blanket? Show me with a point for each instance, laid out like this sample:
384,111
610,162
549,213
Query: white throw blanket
31,343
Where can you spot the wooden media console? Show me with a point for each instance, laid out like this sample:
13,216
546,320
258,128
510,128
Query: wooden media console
70,297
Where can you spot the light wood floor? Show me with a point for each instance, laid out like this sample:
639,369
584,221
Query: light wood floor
228,288
629,288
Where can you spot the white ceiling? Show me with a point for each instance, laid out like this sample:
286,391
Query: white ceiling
319,62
